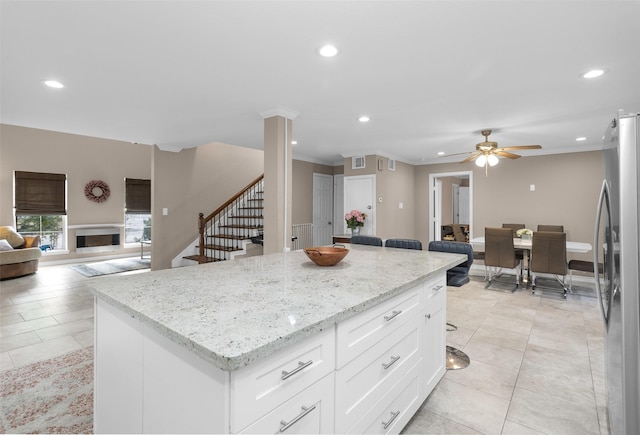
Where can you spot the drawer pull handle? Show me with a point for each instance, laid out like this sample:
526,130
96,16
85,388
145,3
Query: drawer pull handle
301,365
437,288
393,361
393,315
284,425
394,415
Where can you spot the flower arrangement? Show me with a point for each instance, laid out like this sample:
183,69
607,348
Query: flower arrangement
524,231
355,219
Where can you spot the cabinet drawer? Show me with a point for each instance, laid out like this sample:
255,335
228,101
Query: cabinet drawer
361,332
392,413
259,388
361,383
310,412
435,285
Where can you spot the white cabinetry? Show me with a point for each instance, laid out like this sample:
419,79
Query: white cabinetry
367,374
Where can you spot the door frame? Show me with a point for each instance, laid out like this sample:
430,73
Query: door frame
316,194
435,209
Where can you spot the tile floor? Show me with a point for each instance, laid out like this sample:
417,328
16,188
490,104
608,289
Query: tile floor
537,362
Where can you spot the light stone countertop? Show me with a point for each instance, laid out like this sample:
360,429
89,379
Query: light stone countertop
235,312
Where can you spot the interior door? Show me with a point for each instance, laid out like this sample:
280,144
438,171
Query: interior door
463,205
322,209
338,203
360,194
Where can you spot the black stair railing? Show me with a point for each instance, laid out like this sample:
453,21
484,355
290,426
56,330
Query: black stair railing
239,218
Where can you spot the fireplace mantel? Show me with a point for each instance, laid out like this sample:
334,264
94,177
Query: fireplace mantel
74,227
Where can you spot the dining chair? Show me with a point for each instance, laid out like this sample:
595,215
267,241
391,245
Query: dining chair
500,253
458,275
519,252
549,255
514,227
554,228
366,240
403,243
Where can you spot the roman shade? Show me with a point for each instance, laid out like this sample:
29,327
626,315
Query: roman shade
138,196
39,193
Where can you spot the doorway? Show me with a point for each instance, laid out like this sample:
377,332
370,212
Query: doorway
359,194
441,201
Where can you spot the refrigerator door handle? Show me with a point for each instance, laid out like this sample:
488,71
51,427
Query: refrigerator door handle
602,202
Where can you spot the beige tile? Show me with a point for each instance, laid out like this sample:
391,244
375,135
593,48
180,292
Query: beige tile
551,415
510,323
483,377
19,340
512,428
426,422
32,298
26,326
47,311
5,361
41,351
69,328
502,337
493,354
467,406
85,313
85,338
10,319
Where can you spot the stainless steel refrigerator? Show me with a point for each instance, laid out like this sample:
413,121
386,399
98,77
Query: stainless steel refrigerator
616,246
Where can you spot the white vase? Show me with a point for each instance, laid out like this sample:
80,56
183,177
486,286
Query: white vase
355,231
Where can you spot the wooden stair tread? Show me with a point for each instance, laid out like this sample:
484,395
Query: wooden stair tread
197,257
222,248
229,236
246,216
240,226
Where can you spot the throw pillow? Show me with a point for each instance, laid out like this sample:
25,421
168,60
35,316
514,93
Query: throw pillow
11,236
5,246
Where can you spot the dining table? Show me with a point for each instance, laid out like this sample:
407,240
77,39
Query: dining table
526,244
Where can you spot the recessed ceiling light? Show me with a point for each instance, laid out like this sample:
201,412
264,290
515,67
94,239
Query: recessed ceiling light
363,118
441,153
580,139
294,142
593,73
53,84
328,51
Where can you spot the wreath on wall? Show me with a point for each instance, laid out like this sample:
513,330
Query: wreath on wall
97,191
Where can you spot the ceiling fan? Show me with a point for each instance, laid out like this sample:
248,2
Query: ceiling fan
486,153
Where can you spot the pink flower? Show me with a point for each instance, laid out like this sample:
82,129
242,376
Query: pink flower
355,218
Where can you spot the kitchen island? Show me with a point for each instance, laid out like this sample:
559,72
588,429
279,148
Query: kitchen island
272,343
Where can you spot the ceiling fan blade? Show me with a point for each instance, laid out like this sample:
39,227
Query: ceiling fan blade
472,157
457,154
506,154
521,147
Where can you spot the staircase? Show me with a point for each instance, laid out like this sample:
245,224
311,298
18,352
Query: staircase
229,229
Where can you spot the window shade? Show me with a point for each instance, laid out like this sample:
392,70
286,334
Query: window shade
138,195
39,193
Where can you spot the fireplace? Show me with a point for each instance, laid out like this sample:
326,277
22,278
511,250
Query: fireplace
98,239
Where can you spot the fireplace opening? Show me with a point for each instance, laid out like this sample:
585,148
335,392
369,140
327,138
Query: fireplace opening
98,240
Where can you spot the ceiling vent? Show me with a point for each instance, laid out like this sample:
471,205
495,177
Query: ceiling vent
392,165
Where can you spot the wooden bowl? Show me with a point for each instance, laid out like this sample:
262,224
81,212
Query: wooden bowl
326,256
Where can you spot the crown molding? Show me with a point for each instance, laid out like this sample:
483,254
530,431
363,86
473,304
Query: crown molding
280,111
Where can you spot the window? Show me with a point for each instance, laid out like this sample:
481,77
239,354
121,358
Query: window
40,207
137,217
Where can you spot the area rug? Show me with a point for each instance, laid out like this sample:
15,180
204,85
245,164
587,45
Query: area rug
112,266
51,396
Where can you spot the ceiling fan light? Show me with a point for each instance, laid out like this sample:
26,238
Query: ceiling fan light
481,161
492,160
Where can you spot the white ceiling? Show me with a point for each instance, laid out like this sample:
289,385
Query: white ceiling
429,74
